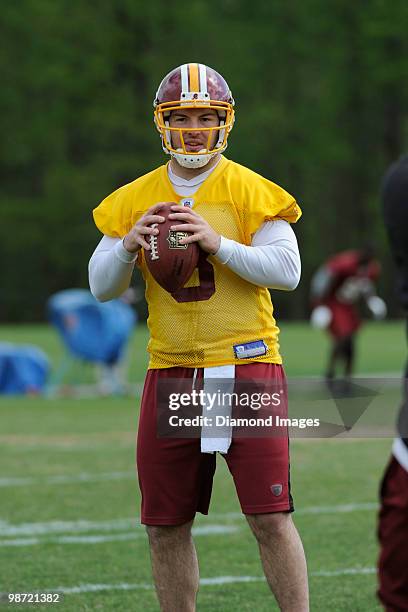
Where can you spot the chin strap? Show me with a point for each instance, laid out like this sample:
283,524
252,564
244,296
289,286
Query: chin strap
193,161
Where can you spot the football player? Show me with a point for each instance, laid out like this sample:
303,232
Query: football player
220,325
336,290
393,517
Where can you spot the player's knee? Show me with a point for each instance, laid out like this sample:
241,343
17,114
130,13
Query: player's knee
163,535
267,527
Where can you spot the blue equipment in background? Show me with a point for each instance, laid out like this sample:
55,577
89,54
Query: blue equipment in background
91,330
23,369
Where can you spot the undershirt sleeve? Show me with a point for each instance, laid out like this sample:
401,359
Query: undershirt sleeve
110,269
272,260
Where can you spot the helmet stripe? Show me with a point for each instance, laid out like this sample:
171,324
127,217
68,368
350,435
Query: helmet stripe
184,78
203,78
194,82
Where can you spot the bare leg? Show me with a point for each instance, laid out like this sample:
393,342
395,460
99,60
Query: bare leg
283,559
175,567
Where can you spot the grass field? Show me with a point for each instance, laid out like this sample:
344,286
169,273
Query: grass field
69,497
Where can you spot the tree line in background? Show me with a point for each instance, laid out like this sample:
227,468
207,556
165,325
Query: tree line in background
321,107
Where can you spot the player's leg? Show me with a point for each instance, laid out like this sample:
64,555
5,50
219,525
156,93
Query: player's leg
393,538
283,559
174,566
345,322
331,365
263,488
341,352
335,331
175,479
260,468
349,353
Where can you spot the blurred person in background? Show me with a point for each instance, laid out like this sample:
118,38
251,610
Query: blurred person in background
393,516
337,289
113,378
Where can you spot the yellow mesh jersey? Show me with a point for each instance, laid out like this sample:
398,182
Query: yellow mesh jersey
229,310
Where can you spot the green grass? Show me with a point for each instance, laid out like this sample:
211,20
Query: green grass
381,347
46,438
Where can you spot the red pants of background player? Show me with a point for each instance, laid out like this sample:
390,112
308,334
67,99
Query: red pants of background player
393,536
176,479
345,319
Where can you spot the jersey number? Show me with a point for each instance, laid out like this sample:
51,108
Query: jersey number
205,289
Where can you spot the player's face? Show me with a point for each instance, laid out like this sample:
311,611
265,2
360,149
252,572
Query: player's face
192,120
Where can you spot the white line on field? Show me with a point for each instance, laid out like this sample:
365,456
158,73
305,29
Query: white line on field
337,509
30,529
216,581
52,527
352,571
118,537
66,479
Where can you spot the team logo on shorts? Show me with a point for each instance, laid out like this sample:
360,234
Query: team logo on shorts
277,489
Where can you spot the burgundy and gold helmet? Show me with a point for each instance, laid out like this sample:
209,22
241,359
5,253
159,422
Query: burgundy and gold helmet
194,86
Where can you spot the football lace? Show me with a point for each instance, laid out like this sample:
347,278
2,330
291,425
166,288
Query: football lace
153,244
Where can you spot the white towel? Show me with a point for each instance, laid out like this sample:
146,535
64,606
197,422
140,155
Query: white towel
222,441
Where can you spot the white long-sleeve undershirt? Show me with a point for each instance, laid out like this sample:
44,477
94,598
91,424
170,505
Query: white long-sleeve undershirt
272,260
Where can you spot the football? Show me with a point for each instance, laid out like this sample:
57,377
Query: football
170,263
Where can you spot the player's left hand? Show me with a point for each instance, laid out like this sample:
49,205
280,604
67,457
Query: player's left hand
377,307
200,230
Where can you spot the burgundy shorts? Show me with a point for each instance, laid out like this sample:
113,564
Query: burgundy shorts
176,479
393,536
345,319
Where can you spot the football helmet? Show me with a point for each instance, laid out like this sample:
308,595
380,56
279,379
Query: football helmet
193,86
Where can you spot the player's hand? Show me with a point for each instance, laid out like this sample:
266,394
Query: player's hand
321,317
135,239
377,307
200,230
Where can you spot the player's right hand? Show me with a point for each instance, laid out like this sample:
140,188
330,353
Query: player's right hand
377,307
135,239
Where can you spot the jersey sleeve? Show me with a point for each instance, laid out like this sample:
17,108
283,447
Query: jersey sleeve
113,216
266,201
